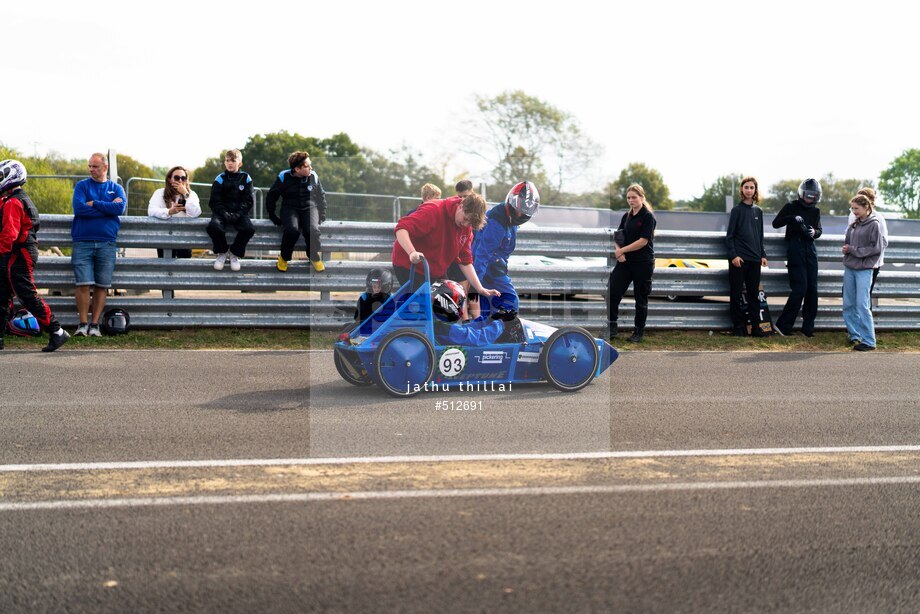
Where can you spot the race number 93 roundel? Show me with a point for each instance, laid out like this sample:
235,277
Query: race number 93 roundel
452,362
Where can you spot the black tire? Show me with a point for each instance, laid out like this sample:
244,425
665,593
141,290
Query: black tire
362,378
578,349
398,379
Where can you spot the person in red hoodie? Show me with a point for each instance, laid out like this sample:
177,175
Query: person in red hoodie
442,232
19,252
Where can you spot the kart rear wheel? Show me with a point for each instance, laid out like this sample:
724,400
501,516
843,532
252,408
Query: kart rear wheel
569,359
348,373
404,361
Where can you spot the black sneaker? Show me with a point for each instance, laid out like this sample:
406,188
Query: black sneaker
56,341
614,330
862,347
739,332
1,343
809,334
635,337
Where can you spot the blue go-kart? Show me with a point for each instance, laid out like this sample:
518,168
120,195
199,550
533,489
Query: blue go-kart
396,349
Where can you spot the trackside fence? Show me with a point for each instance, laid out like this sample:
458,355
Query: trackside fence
192,293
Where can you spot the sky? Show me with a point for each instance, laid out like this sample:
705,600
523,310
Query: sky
696,90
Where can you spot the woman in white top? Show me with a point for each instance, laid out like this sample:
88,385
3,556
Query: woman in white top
175,200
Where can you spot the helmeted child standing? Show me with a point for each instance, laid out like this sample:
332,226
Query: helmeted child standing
494,244
19,223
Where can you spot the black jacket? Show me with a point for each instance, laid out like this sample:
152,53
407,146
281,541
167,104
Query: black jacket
232,193
744,236
810,215
297,193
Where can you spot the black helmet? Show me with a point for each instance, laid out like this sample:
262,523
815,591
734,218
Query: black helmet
24,324
522,202
383,278
811,189
115,321
447,299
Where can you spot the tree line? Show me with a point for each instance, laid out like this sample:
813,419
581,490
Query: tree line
517,135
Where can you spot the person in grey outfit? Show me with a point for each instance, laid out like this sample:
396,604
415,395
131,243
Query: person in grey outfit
861,251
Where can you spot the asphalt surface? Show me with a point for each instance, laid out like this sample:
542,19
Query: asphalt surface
829,529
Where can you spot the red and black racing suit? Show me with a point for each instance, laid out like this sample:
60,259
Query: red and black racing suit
18,255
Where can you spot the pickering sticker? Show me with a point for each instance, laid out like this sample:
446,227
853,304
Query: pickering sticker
492,358
452,362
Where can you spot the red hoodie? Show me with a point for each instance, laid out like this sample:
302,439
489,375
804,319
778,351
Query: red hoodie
435,233
15,224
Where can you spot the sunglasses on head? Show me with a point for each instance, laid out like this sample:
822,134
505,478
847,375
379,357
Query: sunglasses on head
179,178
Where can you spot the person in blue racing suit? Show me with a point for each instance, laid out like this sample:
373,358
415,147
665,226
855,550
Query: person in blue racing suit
494,244
447,298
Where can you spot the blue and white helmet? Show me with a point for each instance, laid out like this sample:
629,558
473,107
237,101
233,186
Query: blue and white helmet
12,175
24,324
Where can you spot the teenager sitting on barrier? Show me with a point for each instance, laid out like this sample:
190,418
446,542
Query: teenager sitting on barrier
231,202
303,209
175,200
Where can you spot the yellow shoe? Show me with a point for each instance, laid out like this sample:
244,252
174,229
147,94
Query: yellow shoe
318,265
282,264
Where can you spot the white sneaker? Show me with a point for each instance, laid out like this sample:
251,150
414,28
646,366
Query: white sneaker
234,263
94,331
219,263
81,331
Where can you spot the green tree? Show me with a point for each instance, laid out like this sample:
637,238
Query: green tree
524,137
835,193
713,198
780,193
656,192
900,183
49,195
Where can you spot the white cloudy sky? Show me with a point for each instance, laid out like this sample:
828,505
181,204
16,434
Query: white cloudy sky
780,89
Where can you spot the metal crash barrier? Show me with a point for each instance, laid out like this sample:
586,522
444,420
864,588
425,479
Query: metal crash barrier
562,293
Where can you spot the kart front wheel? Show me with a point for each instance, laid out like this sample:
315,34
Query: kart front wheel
404,362
569,358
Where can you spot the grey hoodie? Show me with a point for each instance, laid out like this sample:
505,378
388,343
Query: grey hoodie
865,241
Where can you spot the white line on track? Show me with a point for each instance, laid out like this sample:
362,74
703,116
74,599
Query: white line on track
449,493
257,462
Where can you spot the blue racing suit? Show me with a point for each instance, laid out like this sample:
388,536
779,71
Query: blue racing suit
480,332
492,246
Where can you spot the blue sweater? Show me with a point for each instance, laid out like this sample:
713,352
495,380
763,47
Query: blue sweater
99,222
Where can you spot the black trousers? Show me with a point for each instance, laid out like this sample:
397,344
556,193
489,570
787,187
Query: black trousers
747,275
16,277
802,266
639,274
298,222
176,253
217,230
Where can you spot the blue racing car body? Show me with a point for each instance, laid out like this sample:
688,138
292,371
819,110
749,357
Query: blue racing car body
396,349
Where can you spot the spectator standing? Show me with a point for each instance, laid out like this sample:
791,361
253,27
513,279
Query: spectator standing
175,200
303,209
883,226
231,202
19,253
97,206
802,220
430,192
635,262
464,188
862,249
746,256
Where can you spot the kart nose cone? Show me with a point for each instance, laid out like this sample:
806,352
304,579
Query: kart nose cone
608,355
